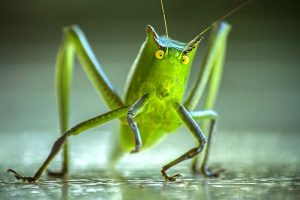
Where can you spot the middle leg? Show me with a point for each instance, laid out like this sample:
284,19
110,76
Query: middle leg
61,142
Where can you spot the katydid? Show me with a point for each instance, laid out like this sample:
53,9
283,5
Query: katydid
154,102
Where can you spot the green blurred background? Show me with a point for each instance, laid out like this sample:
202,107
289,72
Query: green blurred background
259,97
261,78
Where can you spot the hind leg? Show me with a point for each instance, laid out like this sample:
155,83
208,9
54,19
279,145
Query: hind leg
75,43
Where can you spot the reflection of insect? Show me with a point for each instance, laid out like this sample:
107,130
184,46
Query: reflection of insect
153,104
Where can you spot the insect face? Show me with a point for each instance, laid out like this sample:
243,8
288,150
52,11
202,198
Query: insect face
170,65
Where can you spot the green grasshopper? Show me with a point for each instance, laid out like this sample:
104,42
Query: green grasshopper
154,102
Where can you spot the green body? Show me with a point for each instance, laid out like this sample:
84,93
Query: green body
164,80
154,94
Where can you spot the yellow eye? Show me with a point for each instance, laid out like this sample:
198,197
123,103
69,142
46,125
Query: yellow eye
185,59
159,54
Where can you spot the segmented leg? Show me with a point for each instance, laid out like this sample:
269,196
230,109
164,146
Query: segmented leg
60,142
210,75
211,69
134,110
212,117
196,131
75,43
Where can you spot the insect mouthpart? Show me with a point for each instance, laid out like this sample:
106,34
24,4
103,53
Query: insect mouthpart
162,92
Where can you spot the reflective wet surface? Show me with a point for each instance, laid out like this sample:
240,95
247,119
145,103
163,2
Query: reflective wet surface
153,188
139,176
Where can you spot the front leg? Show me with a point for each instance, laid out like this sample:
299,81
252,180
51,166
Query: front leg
196,131
133,111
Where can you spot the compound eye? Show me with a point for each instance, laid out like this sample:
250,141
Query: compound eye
159,54
185,59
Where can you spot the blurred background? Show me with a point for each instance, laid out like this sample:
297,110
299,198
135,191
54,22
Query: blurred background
258,101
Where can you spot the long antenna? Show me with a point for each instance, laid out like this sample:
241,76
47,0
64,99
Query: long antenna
217,21
167,35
